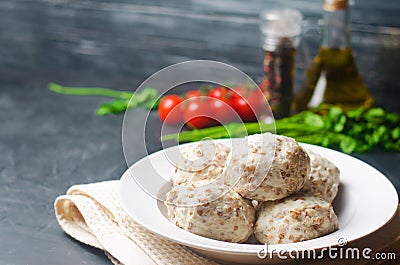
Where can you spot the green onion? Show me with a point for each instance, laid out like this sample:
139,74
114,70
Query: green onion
357,130
148,98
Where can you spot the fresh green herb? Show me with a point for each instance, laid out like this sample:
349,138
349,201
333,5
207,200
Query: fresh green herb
147,99
357,130
88,91
123,100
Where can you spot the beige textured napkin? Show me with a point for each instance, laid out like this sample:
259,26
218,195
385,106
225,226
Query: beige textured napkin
91,214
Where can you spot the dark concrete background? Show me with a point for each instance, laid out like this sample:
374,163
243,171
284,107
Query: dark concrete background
49,142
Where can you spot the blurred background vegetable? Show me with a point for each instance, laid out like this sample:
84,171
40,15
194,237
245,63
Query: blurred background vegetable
357,130
122,100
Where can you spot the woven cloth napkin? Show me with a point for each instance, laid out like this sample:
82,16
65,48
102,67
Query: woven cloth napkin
92,214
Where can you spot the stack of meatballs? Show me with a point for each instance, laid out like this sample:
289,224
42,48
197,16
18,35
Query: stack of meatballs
273,188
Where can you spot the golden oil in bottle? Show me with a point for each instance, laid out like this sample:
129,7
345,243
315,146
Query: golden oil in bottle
333,77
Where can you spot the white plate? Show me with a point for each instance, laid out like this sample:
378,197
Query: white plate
366,201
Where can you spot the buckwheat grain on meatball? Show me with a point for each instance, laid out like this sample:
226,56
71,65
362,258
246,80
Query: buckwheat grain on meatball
229,218
294,219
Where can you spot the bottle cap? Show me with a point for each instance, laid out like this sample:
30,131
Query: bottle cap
334,5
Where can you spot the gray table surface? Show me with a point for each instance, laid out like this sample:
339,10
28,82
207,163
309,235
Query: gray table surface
49,142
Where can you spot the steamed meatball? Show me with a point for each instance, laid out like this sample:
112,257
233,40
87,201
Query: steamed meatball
201,161
294,219
229,218
323,180
274,167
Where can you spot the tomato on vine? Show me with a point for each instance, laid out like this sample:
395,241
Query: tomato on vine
168,111
196,113
193,94
248,103
221,93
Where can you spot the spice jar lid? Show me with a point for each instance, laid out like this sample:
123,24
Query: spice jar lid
335,5
280,27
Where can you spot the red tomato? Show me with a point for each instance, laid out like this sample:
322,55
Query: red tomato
167,110
240,91
248,104
220,93
193,94
196,113
243,109
257,101
220,110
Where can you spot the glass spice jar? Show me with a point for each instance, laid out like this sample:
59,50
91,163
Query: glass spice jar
281,30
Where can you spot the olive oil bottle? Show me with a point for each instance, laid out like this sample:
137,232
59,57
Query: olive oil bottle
333,77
